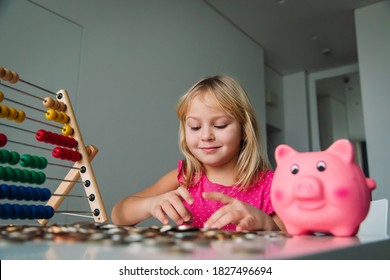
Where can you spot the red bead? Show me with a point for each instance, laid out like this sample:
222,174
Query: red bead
3,140
58,152
41,135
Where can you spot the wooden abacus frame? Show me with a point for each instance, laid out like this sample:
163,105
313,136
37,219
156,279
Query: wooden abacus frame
82,168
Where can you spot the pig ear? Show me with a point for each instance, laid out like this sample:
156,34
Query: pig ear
342,148
283,151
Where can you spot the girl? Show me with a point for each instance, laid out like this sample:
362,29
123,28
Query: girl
224,181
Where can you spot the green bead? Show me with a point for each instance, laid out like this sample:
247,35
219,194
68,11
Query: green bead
9,174
26,177
18,175
26,160
34,177
15,157
5,156
42,163
41,178
2,172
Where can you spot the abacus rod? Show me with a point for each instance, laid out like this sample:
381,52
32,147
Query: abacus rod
64,180
22,91
71,195
28,106
39,87
63,165
72,214
45,123
29,145
19,128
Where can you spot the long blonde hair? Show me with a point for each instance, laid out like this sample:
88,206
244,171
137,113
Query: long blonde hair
233,100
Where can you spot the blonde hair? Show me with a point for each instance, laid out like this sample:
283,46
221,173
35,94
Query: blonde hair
233,100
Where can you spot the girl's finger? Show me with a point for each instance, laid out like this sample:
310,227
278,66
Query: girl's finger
185,194
225,199
180,209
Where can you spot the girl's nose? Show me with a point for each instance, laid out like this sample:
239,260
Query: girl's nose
207,134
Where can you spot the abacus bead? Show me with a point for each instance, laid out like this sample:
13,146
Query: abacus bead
13,193
46,194
3,140
51,114
41,178
29,193
76,156
48,102
18,175
12,114
5,211
59,118
8,74
37,194
21,116
9,174
4,111
27,211
58,152
14,78
26,160
34,177
67,130
49,212
15,213
21,193
3,191
26,176
65,118
15,157
2,172
42,163
5,156
1,96
2,211
35,162
41,135
34,212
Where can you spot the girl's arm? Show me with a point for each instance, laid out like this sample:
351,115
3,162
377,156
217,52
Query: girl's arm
162,199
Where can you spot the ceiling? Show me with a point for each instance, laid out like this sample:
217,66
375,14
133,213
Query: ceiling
297,35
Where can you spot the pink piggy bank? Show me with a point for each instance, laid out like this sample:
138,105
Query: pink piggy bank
322,191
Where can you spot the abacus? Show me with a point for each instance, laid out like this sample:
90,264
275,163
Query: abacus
69,146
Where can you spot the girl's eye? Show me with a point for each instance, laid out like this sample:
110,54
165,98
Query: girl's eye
195,128
221,126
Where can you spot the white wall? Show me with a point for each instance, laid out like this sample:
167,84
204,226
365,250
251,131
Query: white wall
137,58
373,41
296,111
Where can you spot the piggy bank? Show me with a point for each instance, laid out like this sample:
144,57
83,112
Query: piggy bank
322,191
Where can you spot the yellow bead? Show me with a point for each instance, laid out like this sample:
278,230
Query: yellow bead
21,116
67,130
51,115
1,96
12,114
59,118
4,111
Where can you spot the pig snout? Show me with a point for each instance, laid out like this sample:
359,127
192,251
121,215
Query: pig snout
308,188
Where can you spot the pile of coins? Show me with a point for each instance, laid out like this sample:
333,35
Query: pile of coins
153,235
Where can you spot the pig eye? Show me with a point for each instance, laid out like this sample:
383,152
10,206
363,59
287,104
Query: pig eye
321,166
294,169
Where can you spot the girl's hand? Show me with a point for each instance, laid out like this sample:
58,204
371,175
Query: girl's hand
244,215
170,205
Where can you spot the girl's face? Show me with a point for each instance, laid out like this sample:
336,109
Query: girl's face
213,137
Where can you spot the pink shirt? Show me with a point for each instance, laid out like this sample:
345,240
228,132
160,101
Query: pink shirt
257,195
